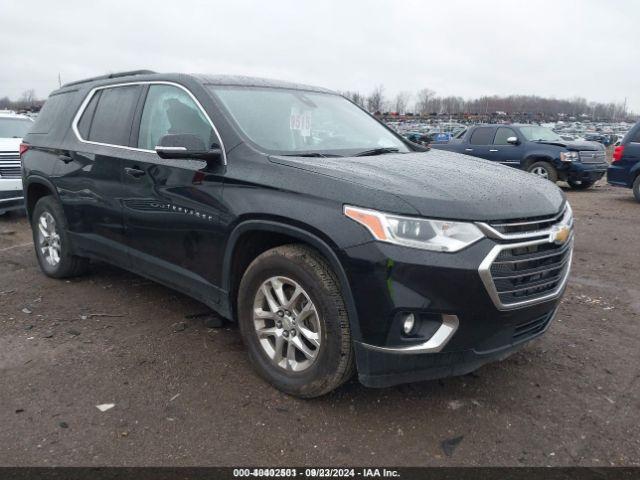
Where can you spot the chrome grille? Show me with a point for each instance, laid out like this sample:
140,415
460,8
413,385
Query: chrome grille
597,156
529,272
10,165
527,225
530,262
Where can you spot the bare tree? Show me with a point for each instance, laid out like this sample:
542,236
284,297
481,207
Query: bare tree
375,100
401,102
28,96
423,100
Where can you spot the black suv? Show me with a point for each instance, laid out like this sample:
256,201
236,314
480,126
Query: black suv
335,243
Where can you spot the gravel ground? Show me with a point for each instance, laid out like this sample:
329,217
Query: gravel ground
185,394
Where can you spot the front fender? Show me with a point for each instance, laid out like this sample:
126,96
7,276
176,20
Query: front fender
304,236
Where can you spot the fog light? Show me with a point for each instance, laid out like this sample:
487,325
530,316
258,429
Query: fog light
408,323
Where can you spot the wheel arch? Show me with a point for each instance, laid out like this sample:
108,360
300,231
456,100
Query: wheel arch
533,158
36,187
236,260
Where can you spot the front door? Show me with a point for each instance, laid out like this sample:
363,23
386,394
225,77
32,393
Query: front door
172,207
504,152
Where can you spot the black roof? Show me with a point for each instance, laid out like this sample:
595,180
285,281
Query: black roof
149,75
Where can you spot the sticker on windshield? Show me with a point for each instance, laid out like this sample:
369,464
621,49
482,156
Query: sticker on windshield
300,122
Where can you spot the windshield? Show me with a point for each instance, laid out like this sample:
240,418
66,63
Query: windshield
536,134
291,122
14,127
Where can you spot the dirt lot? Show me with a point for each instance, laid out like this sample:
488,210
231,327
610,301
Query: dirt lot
189,397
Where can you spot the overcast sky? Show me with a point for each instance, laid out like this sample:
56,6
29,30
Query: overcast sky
557,48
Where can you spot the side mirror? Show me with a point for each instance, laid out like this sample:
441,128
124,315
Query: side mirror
186,146
513,141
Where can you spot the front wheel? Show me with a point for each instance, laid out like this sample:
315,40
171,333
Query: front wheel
544,170
580,184
294,322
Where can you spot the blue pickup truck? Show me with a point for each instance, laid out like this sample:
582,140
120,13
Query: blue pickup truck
538,150
625,168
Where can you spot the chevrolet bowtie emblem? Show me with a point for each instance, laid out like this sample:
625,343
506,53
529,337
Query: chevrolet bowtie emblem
559,234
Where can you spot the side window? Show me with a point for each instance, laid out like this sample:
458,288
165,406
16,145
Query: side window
171,110
502,134
636,137
482,136
84,125
114,115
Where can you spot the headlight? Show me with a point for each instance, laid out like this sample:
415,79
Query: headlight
435,235
569,156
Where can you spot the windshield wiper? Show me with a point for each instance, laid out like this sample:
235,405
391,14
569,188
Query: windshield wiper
311,154
377,151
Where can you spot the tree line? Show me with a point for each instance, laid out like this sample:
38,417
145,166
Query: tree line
427,102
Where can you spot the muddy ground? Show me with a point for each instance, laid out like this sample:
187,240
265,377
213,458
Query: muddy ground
189,397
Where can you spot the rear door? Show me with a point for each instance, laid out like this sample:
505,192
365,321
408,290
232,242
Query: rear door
172,207
502,151
480,141
89,174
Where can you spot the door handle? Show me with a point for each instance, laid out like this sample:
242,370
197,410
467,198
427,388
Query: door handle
65,158
134,172
493,150
468,149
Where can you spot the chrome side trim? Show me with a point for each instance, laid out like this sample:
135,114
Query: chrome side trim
566,219
11,199
485,275
436,343
83,106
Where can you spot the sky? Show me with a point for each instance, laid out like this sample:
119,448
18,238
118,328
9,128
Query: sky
558,48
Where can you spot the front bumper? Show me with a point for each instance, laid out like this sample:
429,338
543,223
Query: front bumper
387,279
11,195
586,172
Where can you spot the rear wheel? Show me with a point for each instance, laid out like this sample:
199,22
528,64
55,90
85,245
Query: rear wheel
293,320
580,184
52,242
636,188
544,170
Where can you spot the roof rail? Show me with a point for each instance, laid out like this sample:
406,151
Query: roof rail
110,75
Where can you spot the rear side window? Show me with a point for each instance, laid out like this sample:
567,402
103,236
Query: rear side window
502,134
636,136
113,115
482,136
51,112
171,110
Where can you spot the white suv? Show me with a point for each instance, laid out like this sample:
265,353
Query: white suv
12,128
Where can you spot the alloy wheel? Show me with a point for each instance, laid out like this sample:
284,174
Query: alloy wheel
49,239
541,172
287,324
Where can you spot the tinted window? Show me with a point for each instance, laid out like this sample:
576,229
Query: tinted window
14,127
85,122
114,114
171,110
502,134
51,112
636,137
482,136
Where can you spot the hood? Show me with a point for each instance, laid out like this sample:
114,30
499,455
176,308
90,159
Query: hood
576,145
442,184
10,144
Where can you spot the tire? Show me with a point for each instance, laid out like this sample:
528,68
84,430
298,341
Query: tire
52,243
544,170
636,188
330,362
580,184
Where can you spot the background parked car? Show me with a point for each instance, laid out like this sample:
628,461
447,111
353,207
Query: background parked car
624,171
12,128
538,150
